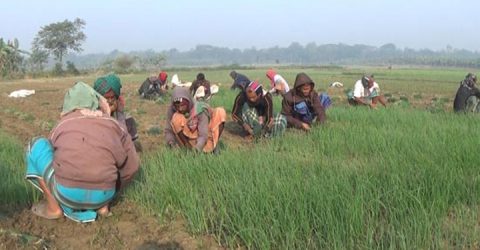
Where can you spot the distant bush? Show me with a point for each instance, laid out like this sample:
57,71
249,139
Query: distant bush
58,70
71,69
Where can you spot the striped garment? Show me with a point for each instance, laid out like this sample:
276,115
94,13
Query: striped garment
325,100
77,204
472,105
250,117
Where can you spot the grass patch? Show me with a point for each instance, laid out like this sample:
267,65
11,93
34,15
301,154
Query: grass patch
404,98
341,186
14,189
156,130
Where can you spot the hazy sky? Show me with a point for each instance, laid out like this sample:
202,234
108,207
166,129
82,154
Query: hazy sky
160,25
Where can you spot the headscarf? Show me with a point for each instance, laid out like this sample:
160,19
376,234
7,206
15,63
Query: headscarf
181,94
200,77
470,80
366,80
256,87
271,75
106,83
80,96
195,108
300,80
182,101
163,76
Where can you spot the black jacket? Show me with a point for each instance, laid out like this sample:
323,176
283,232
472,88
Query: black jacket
463,93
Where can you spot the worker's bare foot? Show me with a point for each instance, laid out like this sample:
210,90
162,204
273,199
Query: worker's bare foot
104,211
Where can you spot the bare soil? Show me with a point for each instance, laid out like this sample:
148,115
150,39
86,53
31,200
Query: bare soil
127,228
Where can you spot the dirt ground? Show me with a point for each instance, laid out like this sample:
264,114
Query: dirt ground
128,228
36,115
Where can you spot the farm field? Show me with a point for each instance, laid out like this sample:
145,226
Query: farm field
402,177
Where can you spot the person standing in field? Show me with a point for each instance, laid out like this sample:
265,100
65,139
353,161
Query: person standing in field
301,105
253,110
468,95
278,84
193,124
109,87
240,81
87,159
154,87
198,82
366,92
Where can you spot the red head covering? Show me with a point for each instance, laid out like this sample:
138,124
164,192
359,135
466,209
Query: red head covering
271,75
256,87
163,76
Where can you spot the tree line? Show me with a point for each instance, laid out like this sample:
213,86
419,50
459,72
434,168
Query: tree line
56,46
312,54
295,54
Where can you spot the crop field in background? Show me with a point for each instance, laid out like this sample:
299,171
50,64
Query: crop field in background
403,177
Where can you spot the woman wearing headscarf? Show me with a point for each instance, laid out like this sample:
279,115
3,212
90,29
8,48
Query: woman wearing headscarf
301,105
199,82
240,81
193,124
366,92
253,110
85,161
468,95
109,87
154,87
278,84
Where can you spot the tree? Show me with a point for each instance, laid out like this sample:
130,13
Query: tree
123,63
151,62
58,38
37,59
71,69
11,58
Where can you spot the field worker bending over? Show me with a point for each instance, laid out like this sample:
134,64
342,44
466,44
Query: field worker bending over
201,81
468,95
193,124
154,87
278,84
109,87
302,105
253,110
366,92
240,81
86,160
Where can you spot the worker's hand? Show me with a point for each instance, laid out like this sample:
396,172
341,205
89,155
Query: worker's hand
172,144
280,87
270,123
248,129
103,104
305,126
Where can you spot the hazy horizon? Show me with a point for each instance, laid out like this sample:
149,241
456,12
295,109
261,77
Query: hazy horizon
147,24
